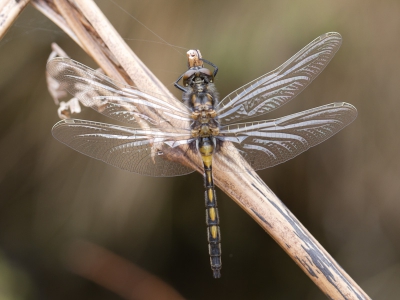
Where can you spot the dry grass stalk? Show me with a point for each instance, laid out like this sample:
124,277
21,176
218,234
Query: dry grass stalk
9,11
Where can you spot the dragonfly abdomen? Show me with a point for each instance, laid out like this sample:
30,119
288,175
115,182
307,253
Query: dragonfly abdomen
206,148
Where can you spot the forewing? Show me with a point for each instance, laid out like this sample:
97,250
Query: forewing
113,99
278,87
147,152
268,143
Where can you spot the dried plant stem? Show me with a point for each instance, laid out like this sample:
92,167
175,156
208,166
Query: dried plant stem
134,67
9,11
88,40
49,9
103,43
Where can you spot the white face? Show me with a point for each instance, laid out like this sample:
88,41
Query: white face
194,57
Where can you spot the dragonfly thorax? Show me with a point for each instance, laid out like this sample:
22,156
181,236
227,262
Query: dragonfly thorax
201,97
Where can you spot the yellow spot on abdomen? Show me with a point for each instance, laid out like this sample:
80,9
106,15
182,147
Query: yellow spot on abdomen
214,231
206,150
211,213
210,195
208,173
207,160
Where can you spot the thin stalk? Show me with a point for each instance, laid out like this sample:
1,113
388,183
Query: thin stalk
9,11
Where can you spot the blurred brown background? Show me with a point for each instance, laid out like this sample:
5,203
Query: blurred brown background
345,191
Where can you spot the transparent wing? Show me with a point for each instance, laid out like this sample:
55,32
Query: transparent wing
115,100
278,87
147,152
268,143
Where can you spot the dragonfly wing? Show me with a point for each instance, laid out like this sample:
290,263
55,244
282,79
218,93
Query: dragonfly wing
113,99
146,152
268,143
278,87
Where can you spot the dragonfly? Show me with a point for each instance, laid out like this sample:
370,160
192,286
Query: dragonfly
201,128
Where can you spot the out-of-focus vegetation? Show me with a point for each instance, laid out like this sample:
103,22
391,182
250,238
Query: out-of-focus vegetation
346,191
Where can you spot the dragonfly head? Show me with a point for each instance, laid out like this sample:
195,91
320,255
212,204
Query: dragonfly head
197,76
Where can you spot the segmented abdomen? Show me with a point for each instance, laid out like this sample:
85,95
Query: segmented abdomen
206,148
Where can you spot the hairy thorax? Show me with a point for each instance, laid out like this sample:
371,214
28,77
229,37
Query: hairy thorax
202,98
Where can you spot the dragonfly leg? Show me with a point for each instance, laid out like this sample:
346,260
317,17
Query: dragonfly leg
178,86
212,65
